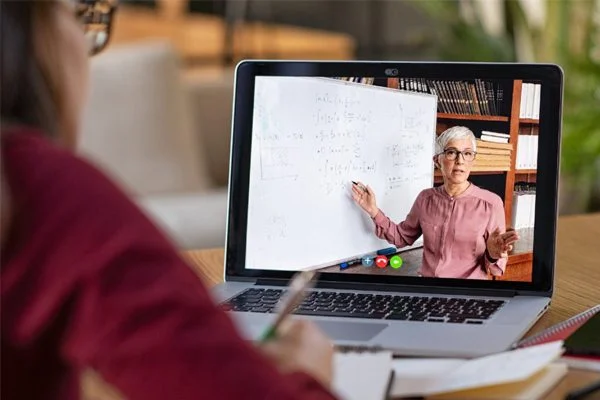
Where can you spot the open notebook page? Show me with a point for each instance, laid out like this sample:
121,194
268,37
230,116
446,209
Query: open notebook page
359,376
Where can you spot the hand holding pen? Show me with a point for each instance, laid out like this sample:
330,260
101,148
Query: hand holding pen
298,345
364,196
296,292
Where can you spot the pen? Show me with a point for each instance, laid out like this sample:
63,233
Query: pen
582,392
295,294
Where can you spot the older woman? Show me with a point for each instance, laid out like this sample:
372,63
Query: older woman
462,225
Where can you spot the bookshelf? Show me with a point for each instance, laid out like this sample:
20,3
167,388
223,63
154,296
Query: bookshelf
514,123
520,260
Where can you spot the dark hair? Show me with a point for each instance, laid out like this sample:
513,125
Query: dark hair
26,93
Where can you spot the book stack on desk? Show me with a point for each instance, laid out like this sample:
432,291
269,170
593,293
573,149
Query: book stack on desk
527,373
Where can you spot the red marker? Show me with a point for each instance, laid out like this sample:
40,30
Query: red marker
381,261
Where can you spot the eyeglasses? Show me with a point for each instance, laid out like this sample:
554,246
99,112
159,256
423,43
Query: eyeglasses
452,154
96,17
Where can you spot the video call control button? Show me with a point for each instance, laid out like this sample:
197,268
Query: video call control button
381,261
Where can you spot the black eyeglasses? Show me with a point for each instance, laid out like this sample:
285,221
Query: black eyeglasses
452,154
96,17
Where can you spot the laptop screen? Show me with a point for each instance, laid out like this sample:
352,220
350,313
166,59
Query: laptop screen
395,176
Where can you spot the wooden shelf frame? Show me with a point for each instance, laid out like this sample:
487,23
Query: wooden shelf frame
473,117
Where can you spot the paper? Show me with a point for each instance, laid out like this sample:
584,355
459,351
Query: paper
529,389
360,376
441,376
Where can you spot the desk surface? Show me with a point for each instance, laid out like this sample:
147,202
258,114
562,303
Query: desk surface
577,282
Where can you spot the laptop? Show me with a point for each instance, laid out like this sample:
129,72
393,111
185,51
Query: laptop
418,278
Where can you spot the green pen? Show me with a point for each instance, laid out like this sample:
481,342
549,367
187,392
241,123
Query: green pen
296,293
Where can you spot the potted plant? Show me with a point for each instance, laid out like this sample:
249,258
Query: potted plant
561,31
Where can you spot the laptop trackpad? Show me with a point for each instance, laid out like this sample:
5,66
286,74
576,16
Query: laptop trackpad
337,330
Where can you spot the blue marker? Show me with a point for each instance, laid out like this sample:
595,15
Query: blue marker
386,252
347,264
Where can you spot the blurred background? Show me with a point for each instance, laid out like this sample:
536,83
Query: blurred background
159,116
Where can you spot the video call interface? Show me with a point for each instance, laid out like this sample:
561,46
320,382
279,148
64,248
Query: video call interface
402,176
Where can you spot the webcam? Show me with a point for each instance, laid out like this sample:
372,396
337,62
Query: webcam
391,71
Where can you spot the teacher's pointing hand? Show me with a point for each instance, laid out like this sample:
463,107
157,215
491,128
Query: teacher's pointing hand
363,196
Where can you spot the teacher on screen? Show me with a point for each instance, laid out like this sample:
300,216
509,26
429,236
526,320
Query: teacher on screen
462,225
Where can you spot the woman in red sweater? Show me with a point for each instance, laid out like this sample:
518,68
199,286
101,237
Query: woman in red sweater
86,280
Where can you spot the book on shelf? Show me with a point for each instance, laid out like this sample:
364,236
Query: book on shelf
494,139
473,97
523,206
496,134
502,155
492,151
527,149
493,145
483,162
530,101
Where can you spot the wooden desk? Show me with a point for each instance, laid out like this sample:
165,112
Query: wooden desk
577,287
577,283
200,38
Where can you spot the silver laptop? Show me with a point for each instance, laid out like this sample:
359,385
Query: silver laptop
450,151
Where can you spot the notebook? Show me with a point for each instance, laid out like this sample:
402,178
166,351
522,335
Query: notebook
529,389
525,373
359,376
562,331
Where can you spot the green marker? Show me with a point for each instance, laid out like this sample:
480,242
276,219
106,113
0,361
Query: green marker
396,262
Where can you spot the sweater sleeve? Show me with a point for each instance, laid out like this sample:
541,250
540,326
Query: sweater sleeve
136,312
404,233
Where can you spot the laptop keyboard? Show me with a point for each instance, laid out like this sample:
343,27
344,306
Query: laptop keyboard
372,306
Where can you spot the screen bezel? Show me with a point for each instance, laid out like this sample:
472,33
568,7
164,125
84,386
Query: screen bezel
549,75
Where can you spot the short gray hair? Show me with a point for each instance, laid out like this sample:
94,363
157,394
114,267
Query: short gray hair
456,132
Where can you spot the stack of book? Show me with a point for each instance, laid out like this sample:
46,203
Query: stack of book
492,156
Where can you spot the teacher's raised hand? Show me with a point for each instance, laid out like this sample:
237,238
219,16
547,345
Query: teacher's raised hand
499,244
363,196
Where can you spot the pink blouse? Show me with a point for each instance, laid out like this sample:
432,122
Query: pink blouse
454,229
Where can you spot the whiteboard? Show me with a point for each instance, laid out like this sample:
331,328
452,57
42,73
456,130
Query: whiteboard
310,138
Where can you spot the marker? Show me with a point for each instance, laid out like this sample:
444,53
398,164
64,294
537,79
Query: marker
347,264
360,186
386,252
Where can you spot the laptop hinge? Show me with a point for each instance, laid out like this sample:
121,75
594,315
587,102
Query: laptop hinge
271,282
370,287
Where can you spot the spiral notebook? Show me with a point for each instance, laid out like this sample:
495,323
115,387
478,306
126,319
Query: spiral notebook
560,331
